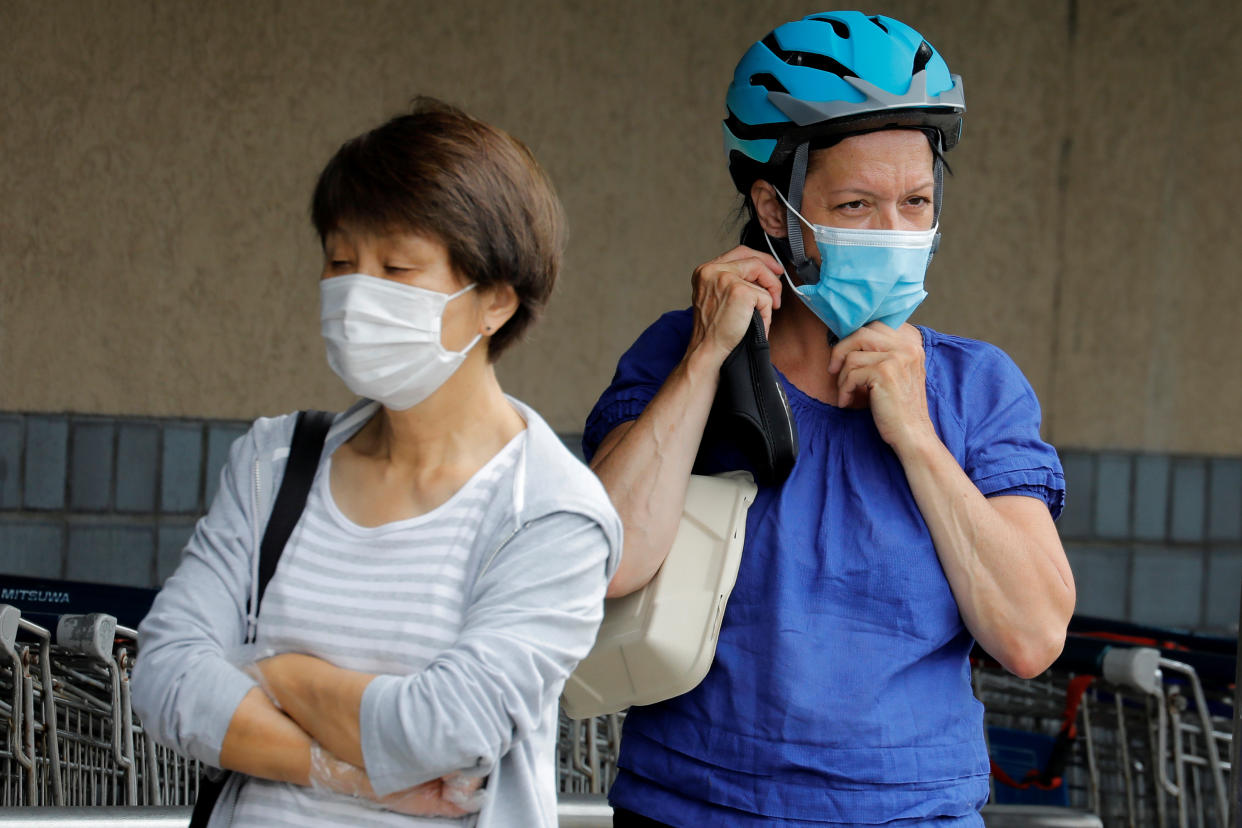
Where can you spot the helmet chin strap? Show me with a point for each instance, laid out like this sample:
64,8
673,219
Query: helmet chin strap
937,192
805,269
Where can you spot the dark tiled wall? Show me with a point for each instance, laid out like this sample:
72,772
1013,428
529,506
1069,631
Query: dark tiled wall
1155,538
104,499
1152,538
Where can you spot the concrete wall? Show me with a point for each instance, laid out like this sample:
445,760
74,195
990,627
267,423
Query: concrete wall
157,269
157,160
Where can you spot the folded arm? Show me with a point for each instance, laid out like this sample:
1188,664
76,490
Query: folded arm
327,698
185,689
261,741
191,696
265,743
533,616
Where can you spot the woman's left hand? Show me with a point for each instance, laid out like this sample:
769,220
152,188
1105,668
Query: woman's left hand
1001,555
884,368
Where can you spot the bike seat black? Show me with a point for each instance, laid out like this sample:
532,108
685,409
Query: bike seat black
751,413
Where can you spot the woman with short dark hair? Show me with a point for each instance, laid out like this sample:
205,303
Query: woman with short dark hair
448,569
469,185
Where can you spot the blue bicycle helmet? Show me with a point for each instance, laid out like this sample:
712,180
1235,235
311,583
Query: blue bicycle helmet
827,76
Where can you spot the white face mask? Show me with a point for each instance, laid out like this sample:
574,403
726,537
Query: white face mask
383,338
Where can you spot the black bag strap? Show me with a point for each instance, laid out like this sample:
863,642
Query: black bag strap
209,789
309,434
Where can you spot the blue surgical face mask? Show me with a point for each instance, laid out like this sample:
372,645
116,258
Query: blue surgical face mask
865,275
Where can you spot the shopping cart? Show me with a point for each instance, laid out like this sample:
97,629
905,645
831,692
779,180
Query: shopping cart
586,753
26,708
1133,728
71,739
70,734
1131,724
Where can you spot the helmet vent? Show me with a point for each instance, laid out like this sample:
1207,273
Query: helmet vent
750,132
877,22
922,57
768,81
808,59
839,29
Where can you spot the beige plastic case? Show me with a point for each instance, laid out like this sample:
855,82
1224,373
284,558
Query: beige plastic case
659,642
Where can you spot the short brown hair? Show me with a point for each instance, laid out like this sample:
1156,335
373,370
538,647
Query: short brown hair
473,187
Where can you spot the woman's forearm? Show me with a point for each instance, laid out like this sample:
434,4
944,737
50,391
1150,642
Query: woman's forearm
645,466
1002,557
322,699
263,742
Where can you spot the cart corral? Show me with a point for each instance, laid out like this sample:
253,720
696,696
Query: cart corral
1131,728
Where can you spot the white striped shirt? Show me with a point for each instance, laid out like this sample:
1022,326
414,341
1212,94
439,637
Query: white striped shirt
383,599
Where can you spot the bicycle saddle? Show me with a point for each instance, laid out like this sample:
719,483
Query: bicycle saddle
750,412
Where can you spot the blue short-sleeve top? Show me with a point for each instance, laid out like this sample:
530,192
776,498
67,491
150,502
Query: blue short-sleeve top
840,692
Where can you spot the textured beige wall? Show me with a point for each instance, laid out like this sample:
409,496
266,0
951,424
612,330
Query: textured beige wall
155,256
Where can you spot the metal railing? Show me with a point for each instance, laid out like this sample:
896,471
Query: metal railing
72,751
573,811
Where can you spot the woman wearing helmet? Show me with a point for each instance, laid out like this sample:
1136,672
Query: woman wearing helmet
918,517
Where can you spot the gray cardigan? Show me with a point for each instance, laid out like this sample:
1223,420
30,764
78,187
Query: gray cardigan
489,702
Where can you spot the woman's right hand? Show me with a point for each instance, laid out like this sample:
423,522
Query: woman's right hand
727,291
